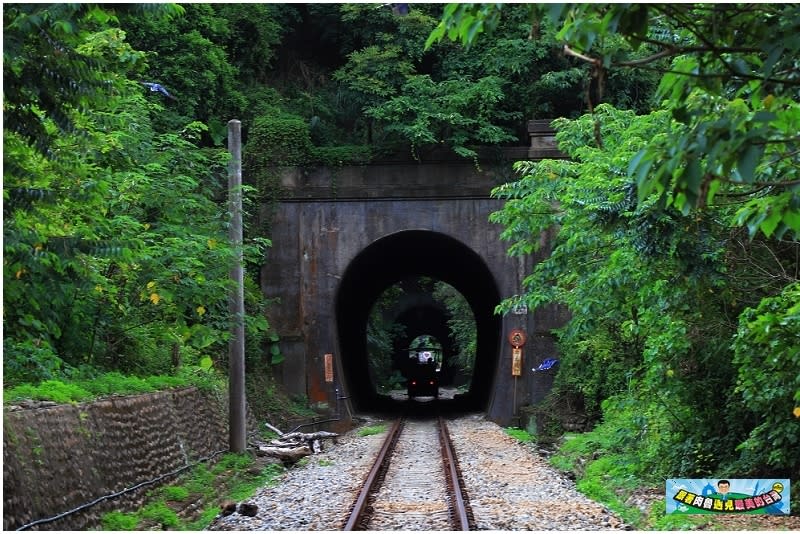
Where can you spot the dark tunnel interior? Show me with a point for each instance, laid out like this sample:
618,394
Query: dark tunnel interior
400,256
422,317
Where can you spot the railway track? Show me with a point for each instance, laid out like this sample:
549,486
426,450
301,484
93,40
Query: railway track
414,483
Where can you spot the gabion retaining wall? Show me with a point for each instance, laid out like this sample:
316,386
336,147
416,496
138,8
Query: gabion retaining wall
57,458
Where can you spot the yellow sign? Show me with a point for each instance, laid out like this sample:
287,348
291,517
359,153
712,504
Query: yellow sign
329,368
516,361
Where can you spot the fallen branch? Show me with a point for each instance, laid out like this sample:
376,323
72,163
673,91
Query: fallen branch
291,447
285,454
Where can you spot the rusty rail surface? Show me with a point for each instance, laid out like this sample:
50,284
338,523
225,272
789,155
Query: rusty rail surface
373,478
460,511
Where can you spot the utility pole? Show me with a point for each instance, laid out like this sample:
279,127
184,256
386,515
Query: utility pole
237,421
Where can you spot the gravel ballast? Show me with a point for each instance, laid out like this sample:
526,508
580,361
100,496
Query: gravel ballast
509,486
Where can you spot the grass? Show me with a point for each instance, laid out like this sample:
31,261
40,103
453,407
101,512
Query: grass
371,430
105,385
609,477
519,434
231,478
176,493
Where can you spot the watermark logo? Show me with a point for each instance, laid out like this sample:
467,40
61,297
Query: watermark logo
728,496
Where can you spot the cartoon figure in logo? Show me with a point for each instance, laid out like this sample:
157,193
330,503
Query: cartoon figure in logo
723,487
724,492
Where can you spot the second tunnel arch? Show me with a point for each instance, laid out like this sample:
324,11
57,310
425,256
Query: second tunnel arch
406,254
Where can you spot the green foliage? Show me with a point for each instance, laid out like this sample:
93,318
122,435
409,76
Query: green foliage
119,521
519,434
654,296
767,354
456,113
620,455
175,493
382,333
730,90
101,269
371,430
282,140
29,362
104,385
52,390
377,71
188,56
461,323
159,513
234,461
255,31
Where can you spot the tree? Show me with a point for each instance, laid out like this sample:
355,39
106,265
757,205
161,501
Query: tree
187,56
731,88
655,296
101,269
459,114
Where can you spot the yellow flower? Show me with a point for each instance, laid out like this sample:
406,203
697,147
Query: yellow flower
796,411
212,243
154,298
201,310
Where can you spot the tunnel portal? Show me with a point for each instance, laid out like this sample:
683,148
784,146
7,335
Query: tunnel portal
341,236
396,257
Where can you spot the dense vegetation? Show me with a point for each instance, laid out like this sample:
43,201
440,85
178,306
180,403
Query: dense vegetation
678,212
115,249
676,250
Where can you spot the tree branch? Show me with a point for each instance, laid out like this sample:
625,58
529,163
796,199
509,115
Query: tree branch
649,59
570,52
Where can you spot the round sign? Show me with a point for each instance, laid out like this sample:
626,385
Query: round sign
517,337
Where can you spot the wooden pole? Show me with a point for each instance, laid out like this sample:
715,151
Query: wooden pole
237,422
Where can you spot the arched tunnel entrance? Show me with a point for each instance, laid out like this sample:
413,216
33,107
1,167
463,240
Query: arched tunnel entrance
397,257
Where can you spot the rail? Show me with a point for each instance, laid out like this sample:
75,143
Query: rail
457,508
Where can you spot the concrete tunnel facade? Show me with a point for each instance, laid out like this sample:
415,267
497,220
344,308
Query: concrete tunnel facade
339,241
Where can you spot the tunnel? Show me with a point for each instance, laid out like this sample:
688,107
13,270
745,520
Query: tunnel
420,315
403,255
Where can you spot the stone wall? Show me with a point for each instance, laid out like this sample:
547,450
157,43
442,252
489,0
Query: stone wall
57,458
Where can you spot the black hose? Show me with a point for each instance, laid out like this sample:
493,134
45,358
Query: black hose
117,494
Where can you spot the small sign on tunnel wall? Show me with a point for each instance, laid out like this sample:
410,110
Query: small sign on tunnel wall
517,339
329,368
516,361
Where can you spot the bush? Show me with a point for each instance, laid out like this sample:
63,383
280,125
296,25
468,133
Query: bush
767,355
119,521
175,493
335,156
160,513
26,362
277,140
52,390
108,384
